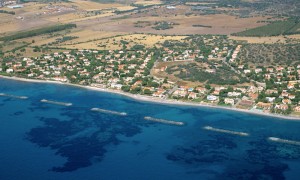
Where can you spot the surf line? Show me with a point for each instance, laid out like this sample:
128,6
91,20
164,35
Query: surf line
164,121
109,111
56,102
285,141
209,128
13,96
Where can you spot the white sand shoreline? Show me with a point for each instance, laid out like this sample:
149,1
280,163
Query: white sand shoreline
154,99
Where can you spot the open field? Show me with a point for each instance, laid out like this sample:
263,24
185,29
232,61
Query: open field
84,37
44,39
11,45
108,41
98,26
36,15
90,5
146,3
184,27
71,18
200,3
260,40
268,40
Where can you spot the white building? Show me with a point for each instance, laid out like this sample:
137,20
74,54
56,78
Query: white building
212,98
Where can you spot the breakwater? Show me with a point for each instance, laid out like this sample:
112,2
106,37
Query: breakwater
109,111
13,96
56,102
177,123
286,141
209,128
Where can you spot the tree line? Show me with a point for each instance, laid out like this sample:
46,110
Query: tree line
36,32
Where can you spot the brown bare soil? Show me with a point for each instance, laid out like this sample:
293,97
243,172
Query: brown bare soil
221,24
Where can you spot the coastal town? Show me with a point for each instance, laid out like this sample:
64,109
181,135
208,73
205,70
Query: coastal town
150,89
149,72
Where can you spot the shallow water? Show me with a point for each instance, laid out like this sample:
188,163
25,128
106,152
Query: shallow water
48,141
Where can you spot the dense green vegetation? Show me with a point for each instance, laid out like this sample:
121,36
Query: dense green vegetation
45,1
290,26
192,72
270,54
138,8
7,12
36,32
104,1
162,25
206,43
200,25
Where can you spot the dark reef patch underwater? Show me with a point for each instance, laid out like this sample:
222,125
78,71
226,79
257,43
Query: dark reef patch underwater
48,141
82,138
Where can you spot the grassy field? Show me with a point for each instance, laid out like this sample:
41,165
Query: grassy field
72,18
146,3
260,40
11,46
90,5
109,41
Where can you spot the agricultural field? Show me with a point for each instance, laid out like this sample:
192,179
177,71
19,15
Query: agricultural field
96,20
100,26
36,15
286,27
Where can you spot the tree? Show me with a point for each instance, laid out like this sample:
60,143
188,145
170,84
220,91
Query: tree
207,86
165,80
136,90
147,92
125,88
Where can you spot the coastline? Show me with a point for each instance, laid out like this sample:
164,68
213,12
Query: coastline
153,99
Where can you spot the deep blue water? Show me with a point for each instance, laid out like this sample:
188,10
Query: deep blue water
46,141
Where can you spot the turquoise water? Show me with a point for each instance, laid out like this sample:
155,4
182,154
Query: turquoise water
47,141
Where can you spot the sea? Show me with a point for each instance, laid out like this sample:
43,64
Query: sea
46,141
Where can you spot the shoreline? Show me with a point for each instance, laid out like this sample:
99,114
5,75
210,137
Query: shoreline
151,99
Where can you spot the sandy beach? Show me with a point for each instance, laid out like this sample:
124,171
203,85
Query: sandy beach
155,99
